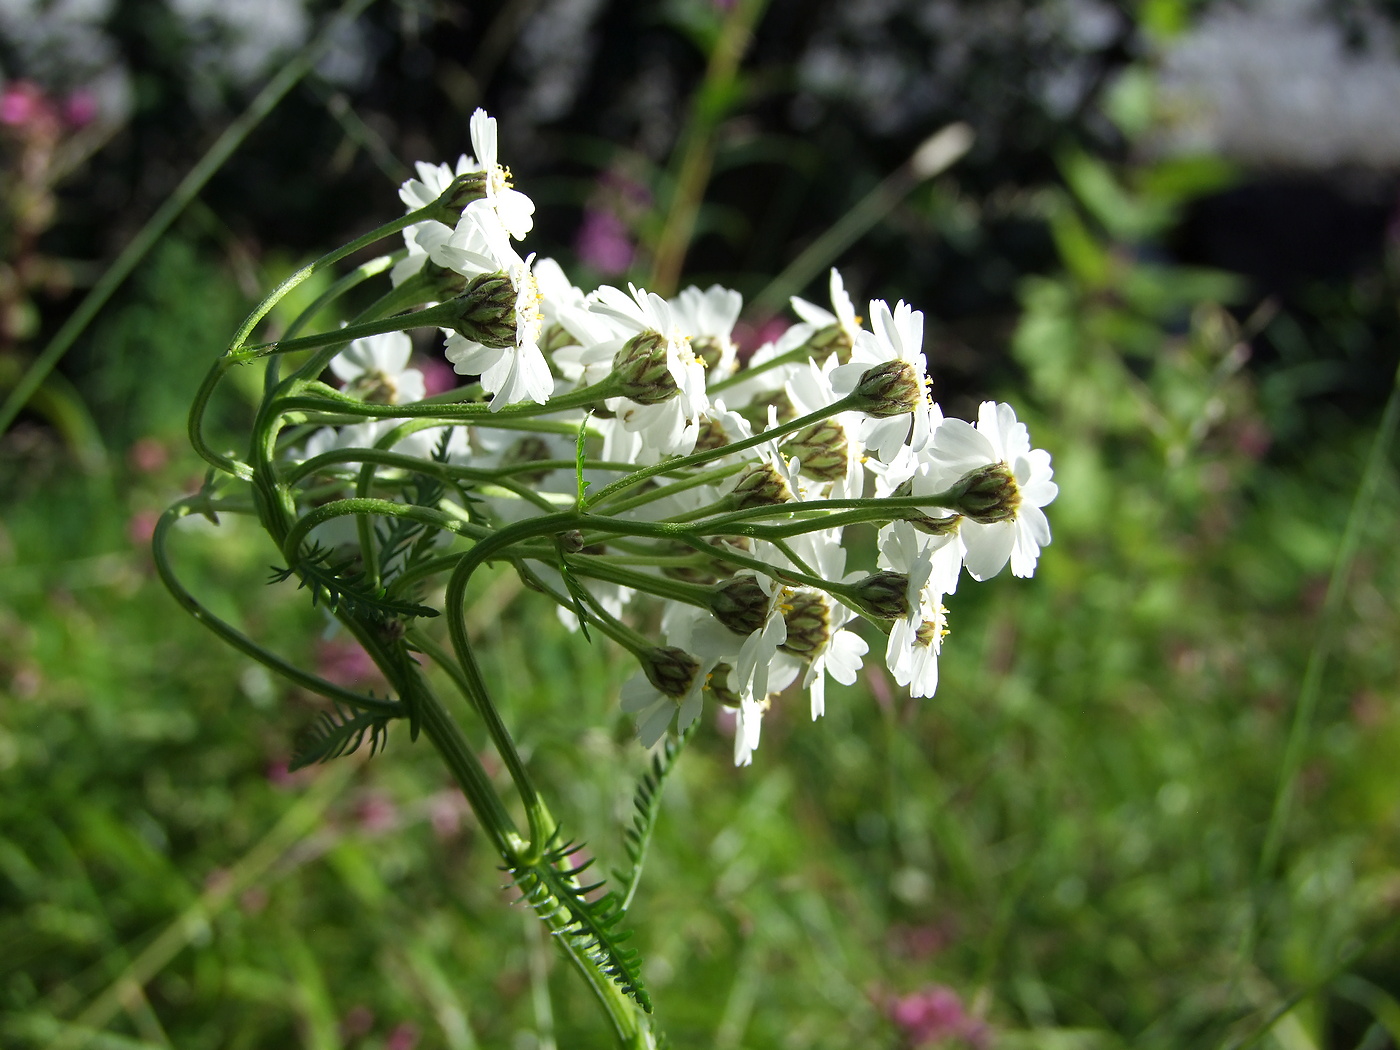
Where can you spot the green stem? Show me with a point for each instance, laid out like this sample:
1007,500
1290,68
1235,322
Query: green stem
242,642
296,535
335,403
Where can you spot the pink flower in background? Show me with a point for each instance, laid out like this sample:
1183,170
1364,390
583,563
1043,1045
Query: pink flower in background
20,102
141,526
438,376
377,814
446,811
80,108
603,243
750,337
344,662
935,1014
403,1037
147,455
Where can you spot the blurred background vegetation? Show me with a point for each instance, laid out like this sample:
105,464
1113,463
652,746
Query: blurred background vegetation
1156,802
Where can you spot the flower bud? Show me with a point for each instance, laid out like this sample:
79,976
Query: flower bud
756,411
988,494
642,367
375,388
934,526
718,685
463,190
711,351
761,485
822,450
670,669
712,435
932,632
487,311
529,449
807,616
885,594
441,283
555,337
741,604
833,339
571,542
890,389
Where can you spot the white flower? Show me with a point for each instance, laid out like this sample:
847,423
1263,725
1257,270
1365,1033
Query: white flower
898,336
845,316
516,211
376,369
432,182
655,709
673,425
913,649
959,447
510,374
708,318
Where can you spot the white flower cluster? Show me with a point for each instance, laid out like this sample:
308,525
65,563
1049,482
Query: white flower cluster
721,491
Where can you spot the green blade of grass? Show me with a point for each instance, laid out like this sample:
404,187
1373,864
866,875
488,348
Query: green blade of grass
214,159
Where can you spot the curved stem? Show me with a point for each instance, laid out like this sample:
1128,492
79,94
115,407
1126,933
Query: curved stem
242,642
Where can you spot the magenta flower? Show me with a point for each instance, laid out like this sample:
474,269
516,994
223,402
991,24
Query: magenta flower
935,1014
603,244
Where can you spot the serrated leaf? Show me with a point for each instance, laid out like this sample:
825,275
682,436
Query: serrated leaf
579,457
340,586
340,732
647,804
588,928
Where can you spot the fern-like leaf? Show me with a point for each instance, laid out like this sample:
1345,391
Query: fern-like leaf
336,582
590,928
647,803
340,732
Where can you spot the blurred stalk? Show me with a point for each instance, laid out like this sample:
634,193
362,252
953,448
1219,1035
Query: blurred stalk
936,154
696,151
223,148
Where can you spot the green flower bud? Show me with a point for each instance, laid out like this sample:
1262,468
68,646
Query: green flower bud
712,435
464,189
890,389
934,526
710,572
741,604
761,485
930,632
442,284
885,594
807,615
718,685
756,411
710,349
555,337
571,542
487,311
822,450
833,339
529,449
671,670
375,388
641,366
988,494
